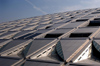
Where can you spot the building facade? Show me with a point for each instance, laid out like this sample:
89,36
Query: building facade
61,39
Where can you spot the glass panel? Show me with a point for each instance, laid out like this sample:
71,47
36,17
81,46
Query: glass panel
59,50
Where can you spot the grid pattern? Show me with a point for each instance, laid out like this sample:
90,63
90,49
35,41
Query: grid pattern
31,41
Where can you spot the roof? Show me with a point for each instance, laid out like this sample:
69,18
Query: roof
23,33
12,44
51,39
56,25
72,25
42,31
40,63
37,44
60,31
86,30
8,33
70,46
86,62
97,36
9,61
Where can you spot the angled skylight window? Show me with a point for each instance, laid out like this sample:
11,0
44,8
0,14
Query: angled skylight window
75,35
53,35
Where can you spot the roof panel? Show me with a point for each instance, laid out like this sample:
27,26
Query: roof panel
12,44
72,25
23,33
3,40
86,30
37,44
60,31
42,31
8,33
7,61
56,25
40,63
70,46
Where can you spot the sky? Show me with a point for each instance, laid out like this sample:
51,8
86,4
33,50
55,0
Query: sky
18,9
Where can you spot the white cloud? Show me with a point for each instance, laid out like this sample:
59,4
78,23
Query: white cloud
35,7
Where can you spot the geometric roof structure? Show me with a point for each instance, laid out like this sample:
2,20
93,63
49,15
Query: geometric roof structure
61,39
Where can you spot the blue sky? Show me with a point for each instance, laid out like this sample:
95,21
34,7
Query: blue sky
18,9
